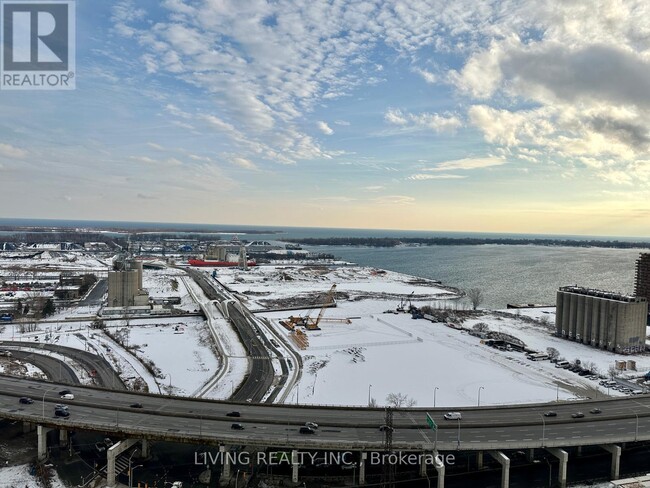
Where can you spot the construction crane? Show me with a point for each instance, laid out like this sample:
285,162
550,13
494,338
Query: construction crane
312,324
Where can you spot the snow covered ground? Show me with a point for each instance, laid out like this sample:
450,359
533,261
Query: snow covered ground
20,477
380,353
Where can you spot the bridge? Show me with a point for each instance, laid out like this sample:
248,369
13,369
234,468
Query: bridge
200,421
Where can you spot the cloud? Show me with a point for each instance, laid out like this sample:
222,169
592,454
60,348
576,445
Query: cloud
12,152
428,76
429,176
394,200
324,128
143,196
435,122
373,188
342,122
243,163
468,164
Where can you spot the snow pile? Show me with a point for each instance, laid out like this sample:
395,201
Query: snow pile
20,477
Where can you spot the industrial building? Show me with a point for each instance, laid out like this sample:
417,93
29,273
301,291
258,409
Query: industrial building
642,276
125,284
602,319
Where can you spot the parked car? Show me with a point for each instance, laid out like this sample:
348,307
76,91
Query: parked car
26,400
550,413
453,416
237,427
577,415
233,414
307,430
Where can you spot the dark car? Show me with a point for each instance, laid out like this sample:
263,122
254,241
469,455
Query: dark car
60,412
384,428
595,410
65,392
307,430
26,400
550,414
577,415
233,414
237,427
136,405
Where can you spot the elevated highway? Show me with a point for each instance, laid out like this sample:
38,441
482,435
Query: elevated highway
205,422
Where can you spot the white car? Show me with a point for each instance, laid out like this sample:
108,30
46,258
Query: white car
67,396
311,425
453,416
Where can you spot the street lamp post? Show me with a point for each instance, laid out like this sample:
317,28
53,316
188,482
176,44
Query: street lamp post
369,387
43,401
479,395
543,429
458,432
557,393
434,396
131,470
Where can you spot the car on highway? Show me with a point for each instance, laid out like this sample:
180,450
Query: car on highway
237,427
136,405
61,412
550,413
384,428
577,415
595,410
307,430
61,406
453,416
64,392
233,414
67,396
311,425
26,400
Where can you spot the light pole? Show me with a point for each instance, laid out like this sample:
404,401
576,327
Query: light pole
170,383
557,393
369,387
478,404
45,393
543,429
458,433
434,396
131,470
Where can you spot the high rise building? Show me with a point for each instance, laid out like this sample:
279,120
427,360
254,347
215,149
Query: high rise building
642,278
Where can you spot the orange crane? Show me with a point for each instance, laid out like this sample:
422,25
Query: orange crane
312,324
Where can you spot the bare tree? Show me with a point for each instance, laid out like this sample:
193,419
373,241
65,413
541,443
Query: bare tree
613,372
552,353
475,296
398,400
373,403
481,327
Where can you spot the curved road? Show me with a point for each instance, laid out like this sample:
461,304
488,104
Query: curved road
54,369
106,376
260,375
205,421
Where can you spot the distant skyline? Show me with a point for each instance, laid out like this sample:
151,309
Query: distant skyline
510,116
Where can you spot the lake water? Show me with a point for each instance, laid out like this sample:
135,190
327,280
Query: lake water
506,274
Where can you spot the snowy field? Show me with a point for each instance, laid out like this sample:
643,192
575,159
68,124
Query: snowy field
380,353
20,477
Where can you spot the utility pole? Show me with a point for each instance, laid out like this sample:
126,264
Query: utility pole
388,469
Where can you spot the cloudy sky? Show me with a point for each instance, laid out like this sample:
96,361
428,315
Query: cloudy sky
513,116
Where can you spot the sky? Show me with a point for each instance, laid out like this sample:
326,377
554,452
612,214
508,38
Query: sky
499,116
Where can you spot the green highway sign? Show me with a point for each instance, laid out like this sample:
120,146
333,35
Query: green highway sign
431,423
